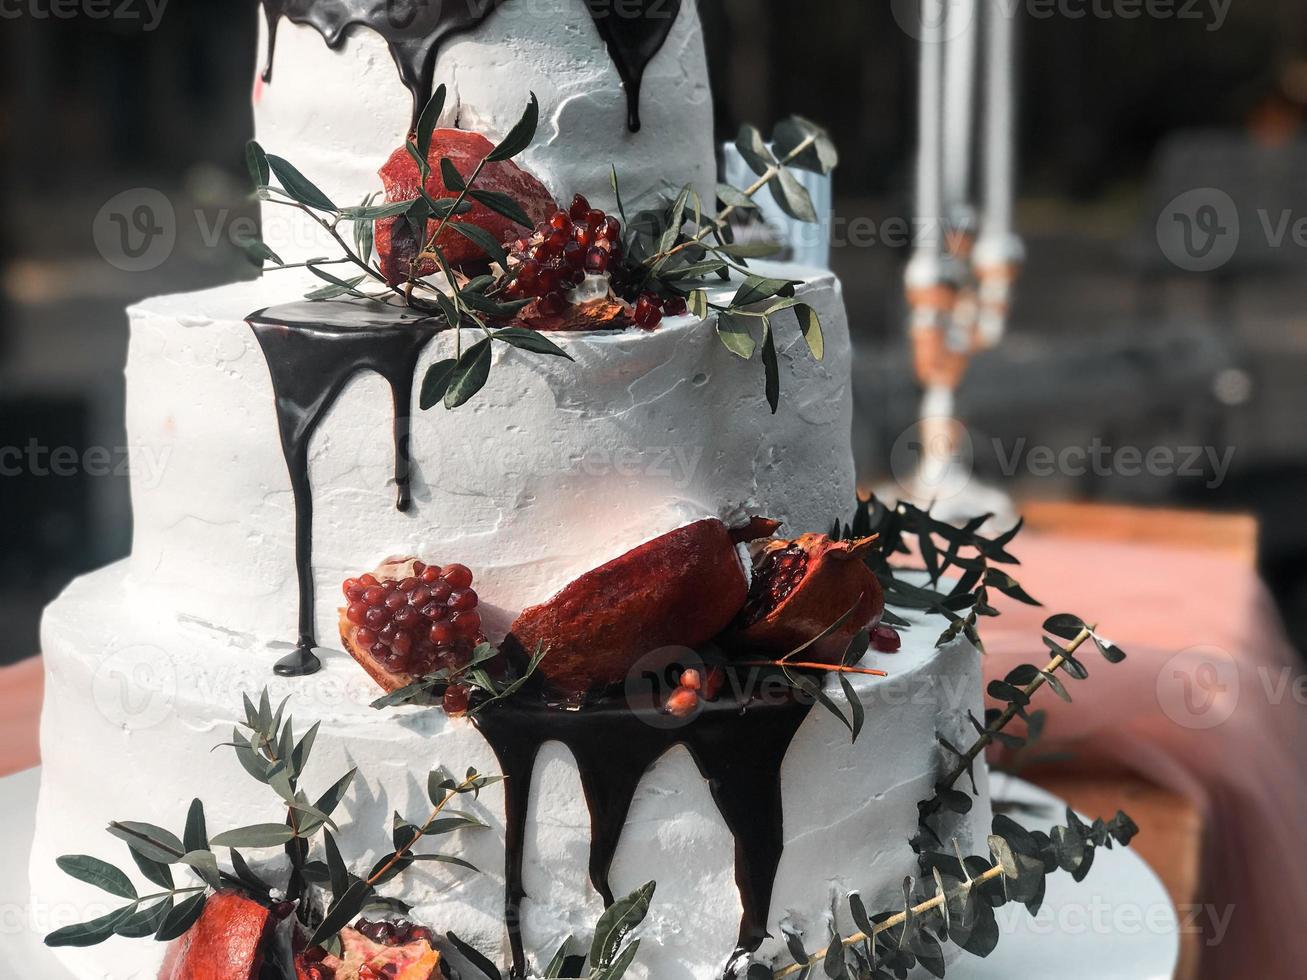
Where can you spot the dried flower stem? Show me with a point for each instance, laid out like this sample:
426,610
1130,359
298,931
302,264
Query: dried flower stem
402,852
929,905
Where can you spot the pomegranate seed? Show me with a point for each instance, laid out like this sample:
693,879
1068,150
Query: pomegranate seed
368,580
395,600
387,634
357,613
351,584
465,623
375,596
419,567
713,683
596,261
527,275
594,218
462,599
557,240
406,617
457,698
612,229
675,306
431,574
646,315
692,679
682,703
402,644
435,611
458,576
574,254
560,221
366,637
442,634
583,236
886,639
580,207
440,591
377,616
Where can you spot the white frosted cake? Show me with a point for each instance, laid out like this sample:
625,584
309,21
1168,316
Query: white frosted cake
555,468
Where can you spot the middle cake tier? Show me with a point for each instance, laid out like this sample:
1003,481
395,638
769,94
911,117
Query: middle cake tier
554,468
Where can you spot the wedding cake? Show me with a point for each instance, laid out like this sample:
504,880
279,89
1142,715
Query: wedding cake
287,428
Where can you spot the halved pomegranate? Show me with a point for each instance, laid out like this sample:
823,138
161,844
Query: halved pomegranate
800,589
396,246
680,589
375,951
228,942
408,619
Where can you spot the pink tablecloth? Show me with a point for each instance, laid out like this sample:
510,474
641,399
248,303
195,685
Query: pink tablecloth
1209,704
1205,705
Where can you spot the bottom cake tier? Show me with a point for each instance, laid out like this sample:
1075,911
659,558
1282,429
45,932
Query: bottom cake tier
137,699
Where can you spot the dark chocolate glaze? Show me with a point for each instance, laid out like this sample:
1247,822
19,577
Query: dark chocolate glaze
739,748
313,350
634,34
633,30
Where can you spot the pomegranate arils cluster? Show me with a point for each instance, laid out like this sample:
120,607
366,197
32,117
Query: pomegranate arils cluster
564,250
421,623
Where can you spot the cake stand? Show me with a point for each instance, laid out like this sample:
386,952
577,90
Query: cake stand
1118,924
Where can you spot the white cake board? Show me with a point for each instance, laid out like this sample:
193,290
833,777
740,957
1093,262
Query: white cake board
1118,924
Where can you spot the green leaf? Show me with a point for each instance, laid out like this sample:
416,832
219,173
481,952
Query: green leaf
181,918
750,250
619,965
675,221
755,289
821,157
810,325
257,162
436,383
154,871
698,303
298,186
735,198
617,923
735,335
754,150
470,374
450,175
342,285
331,799
483,240
375,212
475,957
446,859
530,340
88,933
341,912
255,836
336,869
206,866
252,762
521,135
771,367
793,197
501,203
152,842
303,749
144,922
428,121
258,252
858,712
196,835
99,873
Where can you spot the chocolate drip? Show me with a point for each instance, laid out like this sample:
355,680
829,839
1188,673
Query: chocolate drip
414,30
738,747
313,350
634,34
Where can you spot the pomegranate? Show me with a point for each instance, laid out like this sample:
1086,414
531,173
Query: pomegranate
227,942
375,951
395,243
800,589
681,589
409,619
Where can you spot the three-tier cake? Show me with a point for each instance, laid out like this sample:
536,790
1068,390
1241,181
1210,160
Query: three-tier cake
754,818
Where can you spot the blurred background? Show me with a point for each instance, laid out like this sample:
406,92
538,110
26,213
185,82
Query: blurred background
1111,343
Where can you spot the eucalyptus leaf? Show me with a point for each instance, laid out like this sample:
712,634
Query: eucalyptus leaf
521,135
793,197
819,157
341,912
753,148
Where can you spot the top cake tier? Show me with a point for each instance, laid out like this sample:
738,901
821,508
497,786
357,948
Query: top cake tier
346,75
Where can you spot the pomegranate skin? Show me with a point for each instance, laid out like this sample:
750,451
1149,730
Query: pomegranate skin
396,247
361,957
834,580
681,589
227,942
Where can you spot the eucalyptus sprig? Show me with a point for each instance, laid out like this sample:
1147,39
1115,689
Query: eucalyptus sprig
272,755
1016,690
465,303
676,247
955,901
